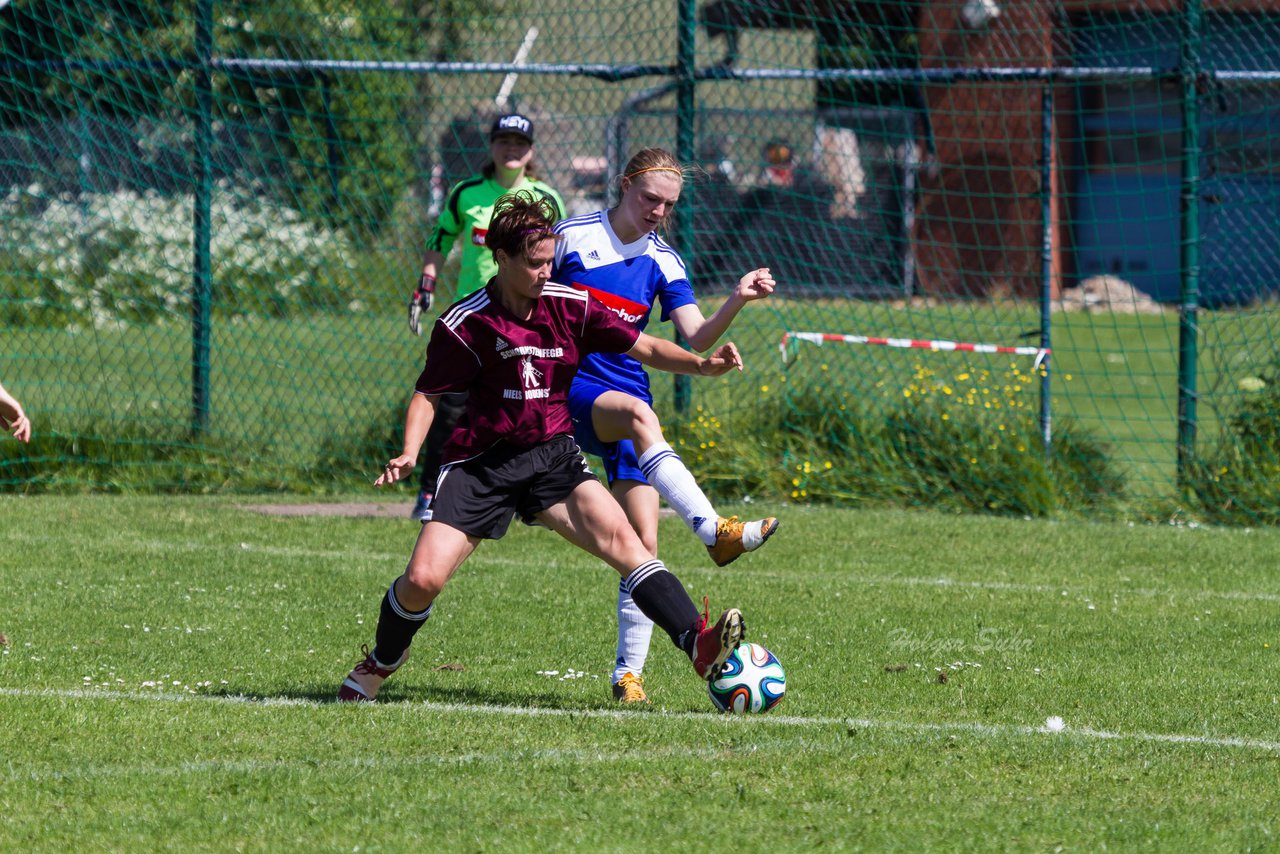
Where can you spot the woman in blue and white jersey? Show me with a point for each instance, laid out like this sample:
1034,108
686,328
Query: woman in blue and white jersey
618,256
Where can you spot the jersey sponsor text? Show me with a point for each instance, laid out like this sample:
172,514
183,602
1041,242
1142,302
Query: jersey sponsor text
541,353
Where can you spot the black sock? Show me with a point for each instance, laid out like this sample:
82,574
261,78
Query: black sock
662,598
396,628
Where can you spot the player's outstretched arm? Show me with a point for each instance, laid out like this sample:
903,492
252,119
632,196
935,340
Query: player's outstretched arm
417,421
13,418
668,356
702,334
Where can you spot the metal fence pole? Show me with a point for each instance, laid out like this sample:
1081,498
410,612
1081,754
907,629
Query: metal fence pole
1189,297
685,116
1046,259
201,287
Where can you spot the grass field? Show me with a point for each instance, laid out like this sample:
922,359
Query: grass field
168,664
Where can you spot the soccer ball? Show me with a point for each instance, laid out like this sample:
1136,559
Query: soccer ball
752,681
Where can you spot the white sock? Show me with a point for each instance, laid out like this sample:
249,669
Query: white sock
634,631
667,473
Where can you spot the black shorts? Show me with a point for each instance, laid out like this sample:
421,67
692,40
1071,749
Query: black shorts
479,496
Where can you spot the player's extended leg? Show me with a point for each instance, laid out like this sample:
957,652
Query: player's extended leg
617,416
640,502
438,553
591,519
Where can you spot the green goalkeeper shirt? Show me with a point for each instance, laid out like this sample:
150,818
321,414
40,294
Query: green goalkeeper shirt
466,214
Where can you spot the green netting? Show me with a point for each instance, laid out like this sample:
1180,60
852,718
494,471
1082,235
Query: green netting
212,213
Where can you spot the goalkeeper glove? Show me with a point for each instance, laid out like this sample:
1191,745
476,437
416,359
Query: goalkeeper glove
420,302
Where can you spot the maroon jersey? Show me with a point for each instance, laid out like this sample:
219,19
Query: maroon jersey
518,371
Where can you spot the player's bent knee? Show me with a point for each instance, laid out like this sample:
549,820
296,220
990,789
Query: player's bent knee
625,549
650,544
645,428
644,418
423,583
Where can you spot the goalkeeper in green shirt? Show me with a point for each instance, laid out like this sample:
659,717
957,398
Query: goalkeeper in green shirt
466,214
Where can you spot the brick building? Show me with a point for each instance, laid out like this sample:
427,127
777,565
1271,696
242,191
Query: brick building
1115,173
1115,170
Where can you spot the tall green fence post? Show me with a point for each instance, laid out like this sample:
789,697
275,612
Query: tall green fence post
685,110
1046,259
201,286
1189,297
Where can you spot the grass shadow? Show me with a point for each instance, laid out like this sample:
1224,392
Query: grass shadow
327,693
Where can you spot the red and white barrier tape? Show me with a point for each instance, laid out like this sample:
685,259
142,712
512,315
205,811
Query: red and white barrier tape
911,343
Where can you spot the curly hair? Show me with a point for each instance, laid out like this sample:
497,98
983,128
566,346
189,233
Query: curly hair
519,221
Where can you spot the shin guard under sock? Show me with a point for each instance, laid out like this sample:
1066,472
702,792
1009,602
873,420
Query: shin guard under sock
396,628
662,598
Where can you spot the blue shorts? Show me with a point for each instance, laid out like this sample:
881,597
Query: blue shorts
620,462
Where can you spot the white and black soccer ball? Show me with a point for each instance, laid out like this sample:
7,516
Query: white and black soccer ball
751,682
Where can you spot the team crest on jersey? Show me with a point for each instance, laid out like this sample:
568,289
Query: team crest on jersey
529,375
478,235
530,382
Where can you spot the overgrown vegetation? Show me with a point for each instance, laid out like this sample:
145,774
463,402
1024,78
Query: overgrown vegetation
1238,481
135,458
346,142
929,449
123,258
817,451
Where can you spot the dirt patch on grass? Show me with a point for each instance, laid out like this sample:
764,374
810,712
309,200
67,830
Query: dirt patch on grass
379,509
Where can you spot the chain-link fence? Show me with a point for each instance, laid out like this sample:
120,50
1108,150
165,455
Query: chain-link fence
213,212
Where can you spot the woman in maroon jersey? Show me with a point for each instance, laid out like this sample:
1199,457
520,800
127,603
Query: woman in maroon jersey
515,346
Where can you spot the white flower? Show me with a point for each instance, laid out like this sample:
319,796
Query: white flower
1251,384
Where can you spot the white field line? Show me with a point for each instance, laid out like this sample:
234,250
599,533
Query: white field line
943,581
493,556
631,717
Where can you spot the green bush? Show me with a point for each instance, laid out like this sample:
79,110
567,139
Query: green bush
356,458
1238,482
134,458
922,451
138,458
126,258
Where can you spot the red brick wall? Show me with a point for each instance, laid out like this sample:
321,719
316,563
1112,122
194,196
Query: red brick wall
979,225
979,222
